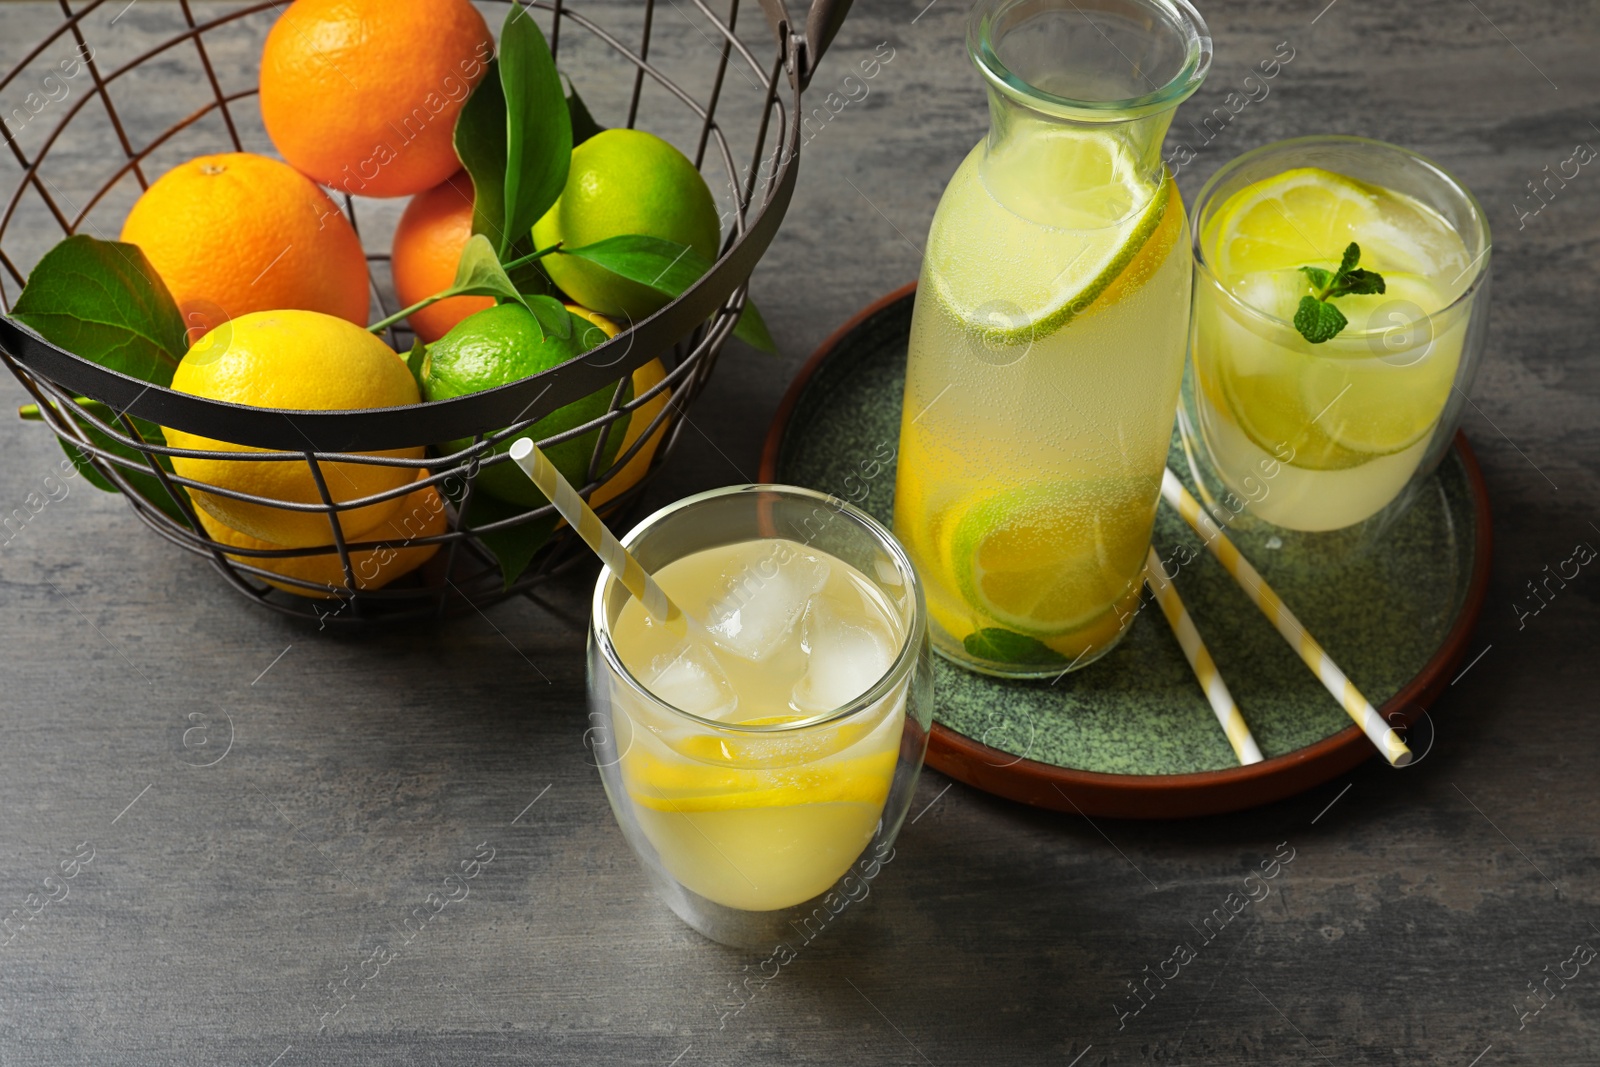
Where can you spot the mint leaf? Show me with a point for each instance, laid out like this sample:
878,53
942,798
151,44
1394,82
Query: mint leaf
1319,277
538,124
102,300
1317,321
1352,255
1003,646
669,268
1361,283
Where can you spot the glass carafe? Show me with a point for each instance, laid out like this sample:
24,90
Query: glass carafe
1047,344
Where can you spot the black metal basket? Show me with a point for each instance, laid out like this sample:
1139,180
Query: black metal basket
687,334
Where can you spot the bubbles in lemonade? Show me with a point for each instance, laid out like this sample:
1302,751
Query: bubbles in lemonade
752,820
1352,418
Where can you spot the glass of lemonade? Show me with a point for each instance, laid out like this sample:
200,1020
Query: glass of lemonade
761,766
1048,336
1317,437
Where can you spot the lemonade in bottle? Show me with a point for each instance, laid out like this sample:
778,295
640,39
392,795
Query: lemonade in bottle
760,758
1047,342
1319,433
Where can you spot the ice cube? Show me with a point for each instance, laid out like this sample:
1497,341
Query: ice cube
765,600
847,657
691,680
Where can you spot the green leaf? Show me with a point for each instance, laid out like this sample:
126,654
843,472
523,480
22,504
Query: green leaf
415,358
480,140
479,273
1317,321
554,318
1352,256
669,268
101,300
1319,277
538,125
147,485
583,124
513,548
1361,283
1003,646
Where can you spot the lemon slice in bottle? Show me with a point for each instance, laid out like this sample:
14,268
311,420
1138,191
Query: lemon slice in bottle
1045,561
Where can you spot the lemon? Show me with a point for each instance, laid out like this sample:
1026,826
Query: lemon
1072,202
1049,560
625,182
504,344
299,360
421,514
645,378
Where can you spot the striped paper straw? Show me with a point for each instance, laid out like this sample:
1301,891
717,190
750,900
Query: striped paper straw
1205,668
581,517
1255,587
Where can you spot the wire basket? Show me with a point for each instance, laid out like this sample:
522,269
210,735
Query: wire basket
687,334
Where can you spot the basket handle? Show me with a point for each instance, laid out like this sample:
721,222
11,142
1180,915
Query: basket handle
821,23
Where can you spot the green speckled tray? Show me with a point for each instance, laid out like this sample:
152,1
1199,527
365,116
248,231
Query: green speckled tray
1132,735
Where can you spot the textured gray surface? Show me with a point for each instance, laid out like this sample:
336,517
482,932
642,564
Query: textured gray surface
221,901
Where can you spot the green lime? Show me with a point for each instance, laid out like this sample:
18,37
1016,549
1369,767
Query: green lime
625,182
1047,560
504,344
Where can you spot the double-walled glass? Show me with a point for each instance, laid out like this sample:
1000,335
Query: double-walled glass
1048,336
1321,437
768,828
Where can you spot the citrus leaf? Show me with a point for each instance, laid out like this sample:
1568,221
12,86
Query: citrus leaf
102,300
480,140
538,125
669,268
415,358
583,124
554,318
479,273
513,548
148,485
1003,646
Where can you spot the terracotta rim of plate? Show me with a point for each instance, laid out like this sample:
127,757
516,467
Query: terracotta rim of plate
1165,796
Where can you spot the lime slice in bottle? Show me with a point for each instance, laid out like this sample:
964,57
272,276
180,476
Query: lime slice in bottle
1047,226
1047,560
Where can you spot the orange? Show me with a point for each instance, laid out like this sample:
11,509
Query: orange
421,514
362,95
645,378
304,361
427,248
236,233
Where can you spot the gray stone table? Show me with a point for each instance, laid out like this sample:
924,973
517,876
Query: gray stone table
1420,908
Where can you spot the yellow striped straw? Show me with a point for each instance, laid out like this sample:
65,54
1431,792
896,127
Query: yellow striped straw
581,517
1205,668
1255,587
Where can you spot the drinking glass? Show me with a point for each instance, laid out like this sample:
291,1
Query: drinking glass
1326,437
770,829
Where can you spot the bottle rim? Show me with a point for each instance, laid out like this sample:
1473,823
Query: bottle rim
1178,16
